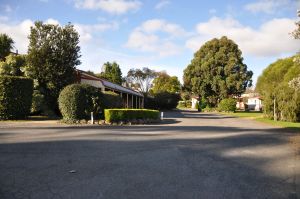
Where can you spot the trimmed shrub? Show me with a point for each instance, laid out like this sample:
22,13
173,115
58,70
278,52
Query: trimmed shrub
128,115
227,105
77,101
15,97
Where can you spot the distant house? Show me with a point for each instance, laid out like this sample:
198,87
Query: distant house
195,100
130,98
251,101
254,103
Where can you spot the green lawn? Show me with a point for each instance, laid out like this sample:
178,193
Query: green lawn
259,117
245,114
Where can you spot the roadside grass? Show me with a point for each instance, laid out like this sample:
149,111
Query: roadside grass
245,114
289,125
258,116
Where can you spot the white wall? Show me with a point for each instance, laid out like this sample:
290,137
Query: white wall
194,101
254,103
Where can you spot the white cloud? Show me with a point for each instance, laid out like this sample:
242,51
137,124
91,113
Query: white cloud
148,38
18,32
161,4
52,21
156,25
110,6
269,6
86,32
270,39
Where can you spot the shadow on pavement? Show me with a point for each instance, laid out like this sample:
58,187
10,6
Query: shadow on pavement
165,168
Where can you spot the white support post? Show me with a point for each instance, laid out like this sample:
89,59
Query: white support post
92,118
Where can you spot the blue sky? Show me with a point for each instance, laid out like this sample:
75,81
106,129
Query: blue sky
160,34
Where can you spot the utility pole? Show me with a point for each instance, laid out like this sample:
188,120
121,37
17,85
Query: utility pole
275,115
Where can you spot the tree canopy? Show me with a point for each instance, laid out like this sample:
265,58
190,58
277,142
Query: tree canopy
112,72
217,71
6,46
13,65
53,54
278,84
141,79
165,83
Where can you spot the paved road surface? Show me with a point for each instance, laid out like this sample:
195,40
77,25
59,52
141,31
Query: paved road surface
191,155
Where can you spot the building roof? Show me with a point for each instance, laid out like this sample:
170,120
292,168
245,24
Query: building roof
108,84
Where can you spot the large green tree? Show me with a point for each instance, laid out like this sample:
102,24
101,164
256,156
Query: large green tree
217,71
13,65
112,72
6,46
53,54
141,79
278,87
165,83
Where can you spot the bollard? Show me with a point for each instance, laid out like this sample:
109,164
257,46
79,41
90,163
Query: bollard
162,115
92,118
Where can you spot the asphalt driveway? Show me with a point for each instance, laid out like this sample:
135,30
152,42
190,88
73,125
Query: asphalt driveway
190,155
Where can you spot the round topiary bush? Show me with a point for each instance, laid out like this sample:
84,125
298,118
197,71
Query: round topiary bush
227,105
77,101
15,97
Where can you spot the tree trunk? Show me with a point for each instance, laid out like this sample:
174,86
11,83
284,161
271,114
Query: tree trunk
199,103
275,113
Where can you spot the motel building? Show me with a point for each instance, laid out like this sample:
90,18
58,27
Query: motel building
130,98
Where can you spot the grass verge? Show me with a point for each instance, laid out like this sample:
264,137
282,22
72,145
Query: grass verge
258,116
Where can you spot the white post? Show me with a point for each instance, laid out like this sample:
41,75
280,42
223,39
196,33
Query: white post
162,115
92,118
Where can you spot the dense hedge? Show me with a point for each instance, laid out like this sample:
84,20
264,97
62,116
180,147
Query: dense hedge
162,101
15,97
150,103
227,105
166,100
110,100
77,101
128,115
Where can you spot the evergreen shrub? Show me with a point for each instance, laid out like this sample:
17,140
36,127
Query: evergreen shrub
15,97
